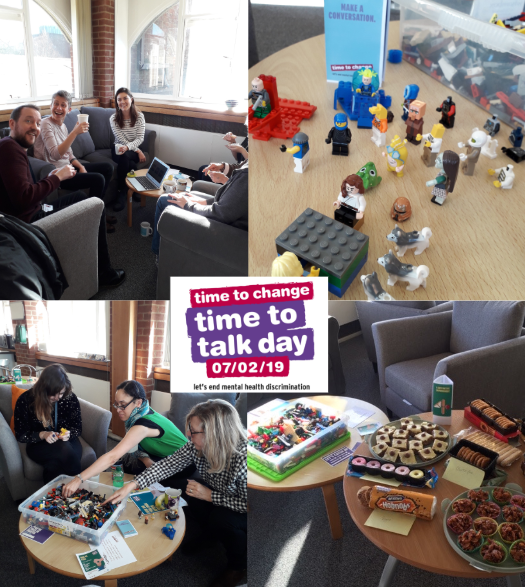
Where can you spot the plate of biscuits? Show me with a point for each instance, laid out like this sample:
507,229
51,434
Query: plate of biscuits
410,441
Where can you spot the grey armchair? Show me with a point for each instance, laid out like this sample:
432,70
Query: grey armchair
479,346
336,377
23,476
371,312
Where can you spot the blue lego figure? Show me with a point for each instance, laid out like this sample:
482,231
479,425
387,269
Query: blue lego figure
516,137
365,82
409,95
169,531
300,151
339,135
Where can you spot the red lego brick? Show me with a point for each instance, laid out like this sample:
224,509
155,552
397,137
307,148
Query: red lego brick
484,102
518,112
475,90
428,63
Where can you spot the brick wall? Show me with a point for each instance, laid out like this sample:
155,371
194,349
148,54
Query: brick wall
150,341
35,321
103,34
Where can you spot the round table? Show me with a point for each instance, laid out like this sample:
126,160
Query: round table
425,546
143,195
319,473
150,547
463,248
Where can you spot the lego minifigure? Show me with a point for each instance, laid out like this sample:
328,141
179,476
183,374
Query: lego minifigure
415,121
396,156
432,144
368,173
288,265
409,95
448,162
350,204
505,177
374,290
401,209
300,151
140,514
492,126
339,135
419,240
169,531
366,88
474,146
448,112
416,275
516,137
260,99
146,519
379,125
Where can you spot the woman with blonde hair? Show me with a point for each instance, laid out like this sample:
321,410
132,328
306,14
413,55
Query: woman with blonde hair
218,502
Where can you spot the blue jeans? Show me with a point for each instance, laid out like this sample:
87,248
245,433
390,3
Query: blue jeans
162,204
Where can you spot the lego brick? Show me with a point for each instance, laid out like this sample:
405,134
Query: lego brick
323,242
339,281
340,291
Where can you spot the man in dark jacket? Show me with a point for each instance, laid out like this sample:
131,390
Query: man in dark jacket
21,195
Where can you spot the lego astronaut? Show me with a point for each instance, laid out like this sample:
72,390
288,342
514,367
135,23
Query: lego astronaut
340,135
505,177
260,99
300,151
474,146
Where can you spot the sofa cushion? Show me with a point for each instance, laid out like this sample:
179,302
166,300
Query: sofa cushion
181,404
83,144
32,470
99,127
88,455
479,324
413,380
101,156
5,402
415,305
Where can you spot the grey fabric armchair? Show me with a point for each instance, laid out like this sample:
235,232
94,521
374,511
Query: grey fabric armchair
479,346
336,377
371,312
23,476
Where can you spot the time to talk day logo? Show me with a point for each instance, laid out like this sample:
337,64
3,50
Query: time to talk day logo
250,330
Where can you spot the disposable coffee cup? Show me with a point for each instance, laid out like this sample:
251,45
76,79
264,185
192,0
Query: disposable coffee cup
181,185
83,118
145,229
117,148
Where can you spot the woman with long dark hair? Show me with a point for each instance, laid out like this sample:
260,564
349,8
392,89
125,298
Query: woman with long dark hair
40,415
128,126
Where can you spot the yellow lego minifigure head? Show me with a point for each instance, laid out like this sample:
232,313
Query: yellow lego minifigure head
257,84
287,265
380,111
438,130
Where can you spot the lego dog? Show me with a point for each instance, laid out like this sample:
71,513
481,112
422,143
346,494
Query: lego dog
410,240
416,275
374,290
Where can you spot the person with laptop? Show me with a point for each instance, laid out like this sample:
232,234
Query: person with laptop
128,126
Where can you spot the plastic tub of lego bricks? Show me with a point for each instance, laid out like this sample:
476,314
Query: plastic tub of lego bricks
71,529
481,61
299,452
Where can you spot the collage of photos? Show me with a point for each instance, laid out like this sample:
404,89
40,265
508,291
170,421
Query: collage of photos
310,376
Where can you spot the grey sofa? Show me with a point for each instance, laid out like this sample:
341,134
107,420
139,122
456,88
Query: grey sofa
23,476
191,244
479,345
371,312
336,378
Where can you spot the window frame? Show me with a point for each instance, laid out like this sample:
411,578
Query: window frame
184,20
25,17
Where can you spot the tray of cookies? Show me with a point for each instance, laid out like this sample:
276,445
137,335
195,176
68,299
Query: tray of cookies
493,416
507,453
486,528
411,442
476,455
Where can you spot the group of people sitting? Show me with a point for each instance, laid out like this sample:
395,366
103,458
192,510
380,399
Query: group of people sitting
22,196
208,462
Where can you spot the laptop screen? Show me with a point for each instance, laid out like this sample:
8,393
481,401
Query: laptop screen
157,171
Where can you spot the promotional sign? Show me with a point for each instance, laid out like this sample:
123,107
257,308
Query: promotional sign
442,389
249,334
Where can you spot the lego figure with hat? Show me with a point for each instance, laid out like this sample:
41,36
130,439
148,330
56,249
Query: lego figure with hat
448,112
260,99
416,111
432,144
409,95
396,155
401,209
339,135
300,151
350,204
448,163
474,145
379,125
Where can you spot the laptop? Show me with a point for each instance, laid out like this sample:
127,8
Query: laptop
153,179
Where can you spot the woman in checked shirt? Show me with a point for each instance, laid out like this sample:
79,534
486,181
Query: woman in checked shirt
218,504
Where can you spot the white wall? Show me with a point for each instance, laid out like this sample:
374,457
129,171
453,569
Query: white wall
343,311
60,10
160,401
92,390
141,13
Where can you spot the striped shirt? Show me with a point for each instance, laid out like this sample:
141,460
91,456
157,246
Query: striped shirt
129,136
46,145
229,487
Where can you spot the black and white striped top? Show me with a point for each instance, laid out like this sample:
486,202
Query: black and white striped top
229,488
129,136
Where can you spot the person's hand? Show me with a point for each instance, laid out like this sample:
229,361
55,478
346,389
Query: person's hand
49,437
197,490
71,487
66,172
212,167
218,177
141,155
230,137
81,169
337,204
65,436
359,215
178,199
122,493
123,149
80,127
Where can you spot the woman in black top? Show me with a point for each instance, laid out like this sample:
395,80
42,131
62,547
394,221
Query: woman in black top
40,414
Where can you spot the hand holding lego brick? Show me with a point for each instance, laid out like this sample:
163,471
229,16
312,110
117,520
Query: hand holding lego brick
49,436
64,434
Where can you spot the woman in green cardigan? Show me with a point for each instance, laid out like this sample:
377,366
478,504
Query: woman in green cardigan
156,437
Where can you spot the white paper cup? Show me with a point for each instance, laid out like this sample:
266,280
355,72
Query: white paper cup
117,148
83,117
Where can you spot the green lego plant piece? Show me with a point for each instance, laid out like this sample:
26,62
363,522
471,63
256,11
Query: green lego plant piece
368,173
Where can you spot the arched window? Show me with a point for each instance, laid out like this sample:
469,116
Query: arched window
36,57
193,51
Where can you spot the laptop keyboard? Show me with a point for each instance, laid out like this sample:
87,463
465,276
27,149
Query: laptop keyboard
146,183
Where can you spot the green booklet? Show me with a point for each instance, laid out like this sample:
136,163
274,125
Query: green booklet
93,564
442,389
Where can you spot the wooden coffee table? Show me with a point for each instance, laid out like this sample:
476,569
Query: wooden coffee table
150,546
319,473
143,195
425,546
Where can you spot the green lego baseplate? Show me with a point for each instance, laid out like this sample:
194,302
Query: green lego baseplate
264,471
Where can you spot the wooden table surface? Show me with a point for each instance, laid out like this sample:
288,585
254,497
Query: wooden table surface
425,546
150,547
478,243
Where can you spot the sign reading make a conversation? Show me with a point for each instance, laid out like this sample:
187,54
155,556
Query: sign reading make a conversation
249,334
